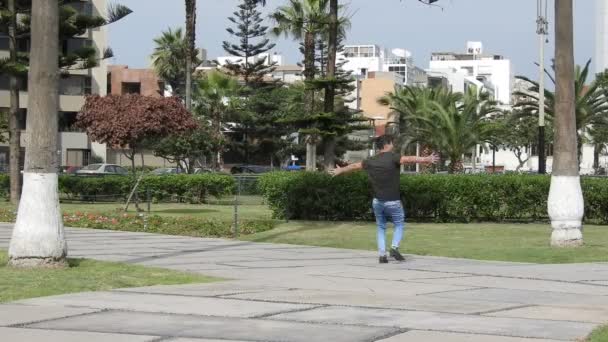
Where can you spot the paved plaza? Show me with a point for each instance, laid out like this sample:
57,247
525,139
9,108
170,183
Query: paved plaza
296,293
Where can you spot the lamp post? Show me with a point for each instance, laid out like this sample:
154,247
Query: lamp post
542,30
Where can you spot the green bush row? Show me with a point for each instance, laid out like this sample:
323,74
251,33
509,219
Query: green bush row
4,185
193,188
442,198
182,188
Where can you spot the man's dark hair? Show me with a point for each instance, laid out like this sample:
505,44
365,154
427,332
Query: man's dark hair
384,140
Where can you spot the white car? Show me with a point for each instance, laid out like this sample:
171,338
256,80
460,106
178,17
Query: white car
103,169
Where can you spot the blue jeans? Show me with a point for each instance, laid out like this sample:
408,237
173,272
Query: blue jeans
392,210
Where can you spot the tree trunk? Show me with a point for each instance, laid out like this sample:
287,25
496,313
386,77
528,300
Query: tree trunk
597,148
565,204
455,166
38,237
191,38
426,151
493,159
309,100
13,119
329,155
330,90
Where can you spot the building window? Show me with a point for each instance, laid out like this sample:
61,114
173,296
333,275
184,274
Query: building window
76,157
75,85
131,88
22,119
85,8
5,82
74,44
366,51
67,122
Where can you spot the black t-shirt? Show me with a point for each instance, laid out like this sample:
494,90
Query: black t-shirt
383,171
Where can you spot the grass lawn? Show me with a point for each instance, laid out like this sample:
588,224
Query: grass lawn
599,335
484,241
84,275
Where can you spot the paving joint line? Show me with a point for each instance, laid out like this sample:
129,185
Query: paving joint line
460,290
26,324
503,276
523,306
267,315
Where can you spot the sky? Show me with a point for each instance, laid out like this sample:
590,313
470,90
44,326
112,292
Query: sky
506,27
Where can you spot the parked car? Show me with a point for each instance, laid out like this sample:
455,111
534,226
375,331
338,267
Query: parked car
166,171
252,169
294,168
70,170
102,169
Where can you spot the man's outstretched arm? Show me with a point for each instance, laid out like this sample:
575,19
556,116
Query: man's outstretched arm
432,159
347,169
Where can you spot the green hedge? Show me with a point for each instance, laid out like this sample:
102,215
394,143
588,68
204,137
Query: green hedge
182,188
192,188
442,198
4,185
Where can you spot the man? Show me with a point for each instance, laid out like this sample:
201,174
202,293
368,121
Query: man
384,174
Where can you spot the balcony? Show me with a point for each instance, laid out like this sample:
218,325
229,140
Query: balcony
67,103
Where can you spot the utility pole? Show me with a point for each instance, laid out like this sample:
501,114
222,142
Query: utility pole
542,30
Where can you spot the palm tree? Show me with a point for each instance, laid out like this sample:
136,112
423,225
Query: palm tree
168,59
565,203
215,96
190,48
591,107
442,120
38,237
304,20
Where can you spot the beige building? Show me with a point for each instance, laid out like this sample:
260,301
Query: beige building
75,147
371,89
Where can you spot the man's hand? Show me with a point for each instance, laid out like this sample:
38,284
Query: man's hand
432,159
337,171
347,169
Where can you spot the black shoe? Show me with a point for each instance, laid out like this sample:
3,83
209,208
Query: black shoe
395,254
383,259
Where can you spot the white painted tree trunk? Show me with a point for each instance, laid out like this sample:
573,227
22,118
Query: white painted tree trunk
38,237
566,210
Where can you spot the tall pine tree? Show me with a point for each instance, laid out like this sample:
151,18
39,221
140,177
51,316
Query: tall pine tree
252,42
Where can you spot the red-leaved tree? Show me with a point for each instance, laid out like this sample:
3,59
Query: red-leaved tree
129,121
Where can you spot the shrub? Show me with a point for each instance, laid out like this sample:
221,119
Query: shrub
193,188
4,185
168,225
442,198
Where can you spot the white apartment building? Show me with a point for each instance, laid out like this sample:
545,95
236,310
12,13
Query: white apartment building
75,146
267,57
473,67
286,73
362,59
